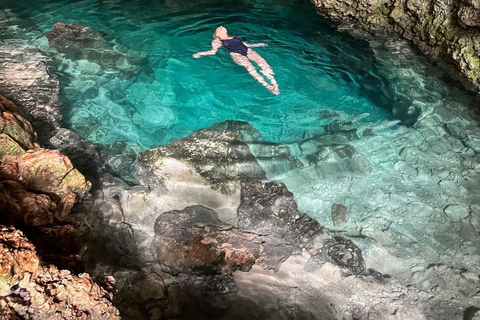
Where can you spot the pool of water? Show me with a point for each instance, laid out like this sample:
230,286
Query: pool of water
318,70
371,125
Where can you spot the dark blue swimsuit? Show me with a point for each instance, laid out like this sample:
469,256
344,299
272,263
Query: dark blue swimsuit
235,45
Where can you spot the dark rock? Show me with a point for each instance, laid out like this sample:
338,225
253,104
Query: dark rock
345,254
79,42
270,209
29,289
246,130
196,241
441,28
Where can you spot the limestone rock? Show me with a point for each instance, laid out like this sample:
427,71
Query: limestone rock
31,290
17,204
45,171
196,241
16,133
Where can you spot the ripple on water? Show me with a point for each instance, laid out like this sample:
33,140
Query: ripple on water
372,126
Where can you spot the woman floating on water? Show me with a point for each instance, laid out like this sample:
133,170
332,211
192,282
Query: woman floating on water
242,54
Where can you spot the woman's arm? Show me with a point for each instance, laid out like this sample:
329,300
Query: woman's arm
215,45
255,45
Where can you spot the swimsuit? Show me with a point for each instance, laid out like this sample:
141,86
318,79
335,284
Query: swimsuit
235,45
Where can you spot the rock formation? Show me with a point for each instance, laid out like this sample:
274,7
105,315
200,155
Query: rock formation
24,79
31,290
78,42
440,27
38,186
194,250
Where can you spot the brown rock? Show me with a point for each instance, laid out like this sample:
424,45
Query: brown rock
7,105
59,245
9,147
21,205
33,290
194,240
16,129
28,175
37,186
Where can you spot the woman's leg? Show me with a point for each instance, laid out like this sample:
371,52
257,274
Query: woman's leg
243,61
266,69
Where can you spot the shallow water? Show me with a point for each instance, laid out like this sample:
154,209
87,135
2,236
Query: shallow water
373,126
318,69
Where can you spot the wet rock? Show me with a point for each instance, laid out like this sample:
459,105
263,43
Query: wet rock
37,186
246,130
29,289
217,155
339,214
441,28
195,241
83,154
25,79
17,204
270,209
78,42
15,129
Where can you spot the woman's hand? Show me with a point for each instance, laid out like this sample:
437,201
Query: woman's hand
262,44
197,55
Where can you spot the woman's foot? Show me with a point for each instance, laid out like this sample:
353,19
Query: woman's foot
274,90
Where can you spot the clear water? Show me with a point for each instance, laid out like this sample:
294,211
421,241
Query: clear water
373,126
318,69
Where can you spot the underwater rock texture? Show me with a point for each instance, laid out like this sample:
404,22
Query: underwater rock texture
254,256
25,79
31,290
439,27
78,42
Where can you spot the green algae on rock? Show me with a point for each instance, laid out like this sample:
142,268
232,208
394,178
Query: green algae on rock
442,28
37,186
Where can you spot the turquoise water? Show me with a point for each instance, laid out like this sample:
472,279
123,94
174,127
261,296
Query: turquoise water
318,69
371,125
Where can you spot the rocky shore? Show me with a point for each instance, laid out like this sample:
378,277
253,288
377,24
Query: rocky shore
444,29
192,231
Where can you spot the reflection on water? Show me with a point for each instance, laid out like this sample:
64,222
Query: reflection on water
318,70
370,125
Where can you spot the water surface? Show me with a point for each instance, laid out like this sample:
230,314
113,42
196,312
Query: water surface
369,124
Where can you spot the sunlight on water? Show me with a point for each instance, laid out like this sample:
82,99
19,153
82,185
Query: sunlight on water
371,125
173,95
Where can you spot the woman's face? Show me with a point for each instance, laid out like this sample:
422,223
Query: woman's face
221,32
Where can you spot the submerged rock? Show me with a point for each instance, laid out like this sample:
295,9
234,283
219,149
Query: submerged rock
217,155
32,290
442,28
78,42
25,79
